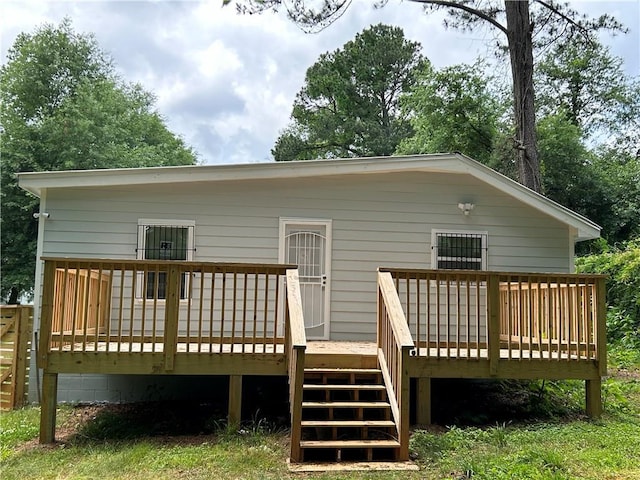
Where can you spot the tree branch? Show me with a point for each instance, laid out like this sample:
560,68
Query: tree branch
582,28
473,11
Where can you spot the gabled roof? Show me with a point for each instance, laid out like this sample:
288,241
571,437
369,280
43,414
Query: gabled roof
36,182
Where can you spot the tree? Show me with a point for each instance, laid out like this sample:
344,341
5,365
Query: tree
349,104
588,84
569,175
453,109
621,172
63,107
585,98
512,18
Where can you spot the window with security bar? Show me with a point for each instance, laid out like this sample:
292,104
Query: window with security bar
306,249
158,241
459,250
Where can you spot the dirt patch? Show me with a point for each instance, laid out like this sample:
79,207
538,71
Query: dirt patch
624,374
455,402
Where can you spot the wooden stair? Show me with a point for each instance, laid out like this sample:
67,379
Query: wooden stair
346,417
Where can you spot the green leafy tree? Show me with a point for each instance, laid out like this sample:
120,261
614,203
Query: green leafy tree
569,175
621,264
621,173
515,21
453,109
349,106
585,98
602,184
63,107
588,83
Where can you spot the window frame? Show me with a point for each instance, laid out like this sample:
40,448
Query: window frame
482,234
141,288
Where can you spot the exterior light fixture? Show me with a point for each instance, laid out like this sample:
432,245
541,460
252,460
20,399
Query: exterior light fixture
466,207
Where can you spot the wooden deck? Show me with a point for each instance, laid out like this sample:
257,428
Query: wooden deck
102,316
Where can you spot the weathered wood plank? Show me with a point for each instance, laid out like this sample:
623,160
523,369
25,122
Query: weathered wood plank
423,401
394,308
48,406
294,303
601,325
296,379
234,416
217,267
508,369
22,355
493,334
172,312
153,363
593,397
46,313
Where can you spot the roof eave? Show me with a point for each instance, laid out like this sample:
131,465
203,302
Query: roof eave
585,228
36,182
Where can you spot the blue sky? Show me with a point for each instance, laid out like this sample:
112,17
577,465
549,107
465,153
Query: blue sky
226,82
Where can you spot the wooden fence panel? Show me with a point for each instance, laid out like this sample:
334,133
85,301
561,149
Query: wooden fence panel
16,323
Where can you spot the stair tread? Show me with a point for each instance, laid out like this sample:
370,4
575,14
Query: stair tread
328,386
367,371
345,404
348,423
349,444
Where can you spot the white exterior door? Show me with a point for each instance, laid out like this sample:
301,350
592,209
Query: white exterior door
307,243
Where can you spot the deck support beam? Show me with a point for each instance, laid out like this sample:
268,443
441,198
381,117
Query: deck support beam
235,401
593,397
48,407
423,404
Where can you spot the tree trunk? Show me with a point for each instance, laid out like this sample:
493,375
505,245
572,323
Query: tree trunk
13,296
519,33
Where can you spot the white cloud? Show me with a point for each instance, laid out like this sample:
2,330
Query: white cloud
216,60
226,82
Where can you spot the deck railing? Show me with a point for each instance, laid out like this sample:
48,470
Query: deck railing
83,299
296,344
555,314
154,306
471,314
394,347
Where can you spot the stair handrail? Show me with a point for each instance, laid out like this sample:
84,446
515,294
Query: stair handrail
395,345
295,344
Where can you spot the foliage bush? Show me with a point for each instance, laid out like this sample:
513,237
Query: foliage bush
622,265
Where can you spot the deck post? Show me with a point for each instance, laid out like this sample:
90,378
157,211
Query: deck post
493,333
404,406
296,381
48,407
46,312
593,397
235,401
172,312
601,325
423,406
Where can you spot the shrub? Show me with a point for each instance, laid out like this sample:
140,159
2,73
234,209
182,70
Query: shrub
622,265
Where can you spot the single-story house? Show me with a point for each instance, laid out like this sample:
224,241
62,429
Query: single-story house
477,268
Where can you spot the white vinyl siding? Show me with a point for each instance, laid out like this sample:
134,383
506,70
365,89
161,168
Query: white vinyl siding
377,220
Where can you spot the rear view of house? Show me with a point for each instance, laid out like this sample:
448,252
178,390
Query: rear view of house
435,265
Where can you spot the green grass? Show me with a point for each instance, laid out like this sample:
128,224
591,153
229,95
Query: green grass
578,449
117,447
21,426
